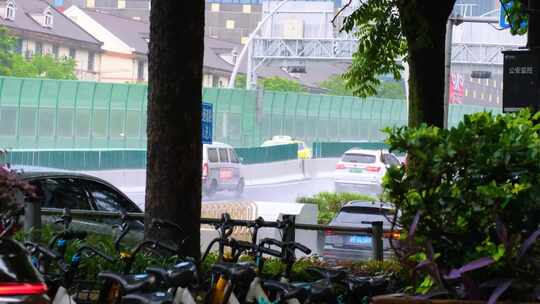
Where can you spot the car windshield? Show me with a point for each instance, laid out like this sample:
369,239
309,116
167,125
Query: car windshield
357,215
359,158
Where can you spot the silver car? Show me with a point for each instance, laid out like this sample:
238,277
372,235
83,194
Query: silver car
353,246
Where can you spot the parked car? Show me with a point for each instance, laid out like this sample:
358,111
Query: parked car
64,189
353,246
304,152
222,170
361,170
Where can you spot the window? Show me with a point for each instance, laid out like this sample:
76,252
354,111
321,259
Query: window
132,124
212,155
27,122
82,123
90,3
121,4
72,53
244,40
8,121
246,8
62,193
223,156
106,199
39,48
99,128
10,11
229,24
117,124
19,45
55,50
232,155
65,122
140,70
48,21
359,158
389,159
91,60
46,122
214,7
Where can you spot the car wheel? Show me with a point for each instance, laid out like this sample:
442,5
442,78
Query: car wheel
212,188
239,188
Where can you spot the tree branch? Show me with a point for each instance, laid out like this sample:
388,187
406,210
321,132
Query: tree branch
340,11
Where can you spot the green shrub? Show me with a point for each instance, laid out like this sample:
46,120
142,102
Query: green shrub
329,203
474,192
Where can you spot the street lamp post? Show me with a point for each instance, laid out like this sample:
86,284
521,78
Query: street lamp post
248,45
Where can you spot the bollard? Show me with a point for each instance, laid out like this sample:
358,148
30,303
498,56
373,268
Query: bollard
32,220
377,240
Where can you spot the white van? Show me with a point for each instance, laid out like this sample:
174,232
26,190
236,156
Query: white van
221,170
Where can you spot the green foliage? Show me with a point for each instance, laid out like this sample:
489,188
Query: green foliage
240,81
281,84
516,15
39,66
391,90
329,203
337,85
476,189
377,26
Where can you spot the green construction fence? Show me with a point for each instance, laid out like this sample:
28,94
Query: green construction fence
42,114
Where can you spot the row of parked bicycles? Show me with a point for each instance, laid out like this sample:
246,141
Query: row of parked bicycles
43,273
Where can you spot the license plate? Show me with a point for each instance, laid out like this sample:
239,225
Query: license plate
225,174
355,170
360,239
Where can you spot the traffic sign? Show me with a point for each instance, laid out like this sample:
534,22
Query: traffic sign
206,123
503,18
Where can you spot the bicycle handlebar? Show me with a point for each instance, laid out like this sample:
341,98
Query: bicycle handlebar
50,254
94,251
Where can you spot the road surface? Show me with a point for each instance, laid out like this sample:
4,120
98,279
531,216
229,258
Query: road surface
282,192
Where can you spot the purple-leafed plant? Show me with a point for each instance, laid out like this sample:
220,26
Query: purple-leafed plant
470,198
10,185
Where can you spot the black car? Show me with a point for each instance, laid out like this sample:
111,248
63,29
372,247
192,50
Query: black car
76,191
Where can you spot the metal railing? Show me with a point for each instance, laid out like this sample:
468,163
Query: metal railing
33,222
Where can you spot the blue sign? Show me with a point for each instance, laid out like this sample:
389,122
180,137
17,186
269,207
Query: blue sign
206,123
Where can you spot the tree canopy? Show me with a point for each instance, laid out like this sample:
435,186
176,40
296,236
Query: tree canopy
39,66
391,32
281,84
336,85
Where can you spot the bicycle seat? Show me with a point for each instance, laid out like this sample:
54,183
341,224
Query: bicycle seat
128,282
183,274
318,292
367,285
286,291
148,298
332,274
237,272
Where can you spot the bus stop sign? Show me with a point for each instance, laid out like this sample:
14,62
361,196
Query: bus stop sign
206,123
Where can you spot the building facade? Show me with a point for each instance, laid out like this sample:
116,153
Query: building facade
124,44
41,29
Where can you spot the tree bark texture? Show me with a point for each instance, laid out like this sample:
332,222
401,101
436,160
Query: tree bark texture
173,184
424,25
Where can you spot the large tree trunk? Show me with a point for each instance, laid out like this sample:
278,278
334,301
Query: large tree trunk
424,24
173,185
